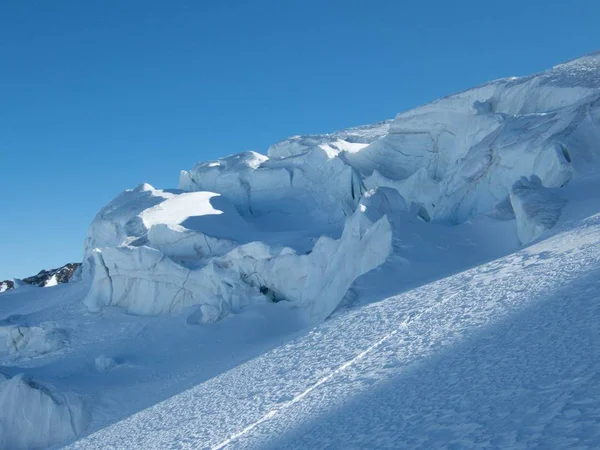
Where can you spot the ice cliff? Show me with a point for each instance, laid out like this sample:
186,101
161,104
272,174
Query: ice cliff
302,222
34,416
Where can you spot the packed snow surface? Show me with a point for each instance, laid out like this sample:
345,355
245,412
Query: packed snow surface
424,282
502,355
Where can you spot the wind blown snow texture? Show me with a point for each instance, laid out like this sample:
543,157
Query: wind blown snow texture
200,310
501,356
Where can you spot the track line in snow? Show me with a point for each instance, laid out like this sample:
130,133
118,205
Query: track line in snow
272,413
303,394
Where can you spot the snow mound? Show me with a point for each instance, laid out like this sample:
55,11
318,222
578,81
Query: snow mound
33,416
205,212
175,222
104,363
110,227
349,139
536,208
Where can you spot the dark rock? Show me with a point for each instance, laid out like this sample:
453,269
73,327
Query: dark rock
63,275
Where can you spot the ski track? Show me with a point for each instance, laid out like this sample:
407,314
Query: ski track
300,396
281,394
323,380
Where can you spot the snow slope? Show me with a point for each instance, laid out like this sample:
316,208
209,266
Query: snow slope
364,288
502,355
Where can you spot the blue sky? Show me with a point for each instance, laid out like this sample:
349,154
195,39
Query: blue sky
99,96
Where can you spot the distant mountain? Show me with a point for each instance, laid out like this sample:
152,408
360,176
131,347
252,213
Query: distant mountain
45,278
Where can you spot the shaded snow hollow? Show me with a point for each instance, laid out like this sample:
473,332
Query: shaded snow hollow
223,286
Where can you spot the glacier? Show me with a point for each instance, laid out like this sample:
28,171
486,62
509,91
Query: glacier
194,249
450,161
267,290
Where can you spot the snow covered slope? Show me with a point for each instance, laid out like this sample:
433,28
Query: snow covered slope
368,287
503,355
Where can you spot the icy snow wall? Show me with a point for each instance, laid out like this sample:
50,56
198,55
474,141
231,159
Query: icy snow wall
297,225
194,249
33,416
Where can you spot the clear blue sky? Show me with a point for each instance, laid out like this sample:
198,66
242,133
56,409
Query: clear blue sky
98,96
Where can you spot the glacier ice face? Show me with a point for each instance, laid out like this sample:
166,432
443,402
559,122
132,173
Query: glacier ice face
475,144
145,281
537,208
175,222
35,340
33,416
318,281
457,157
305,220
314,189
